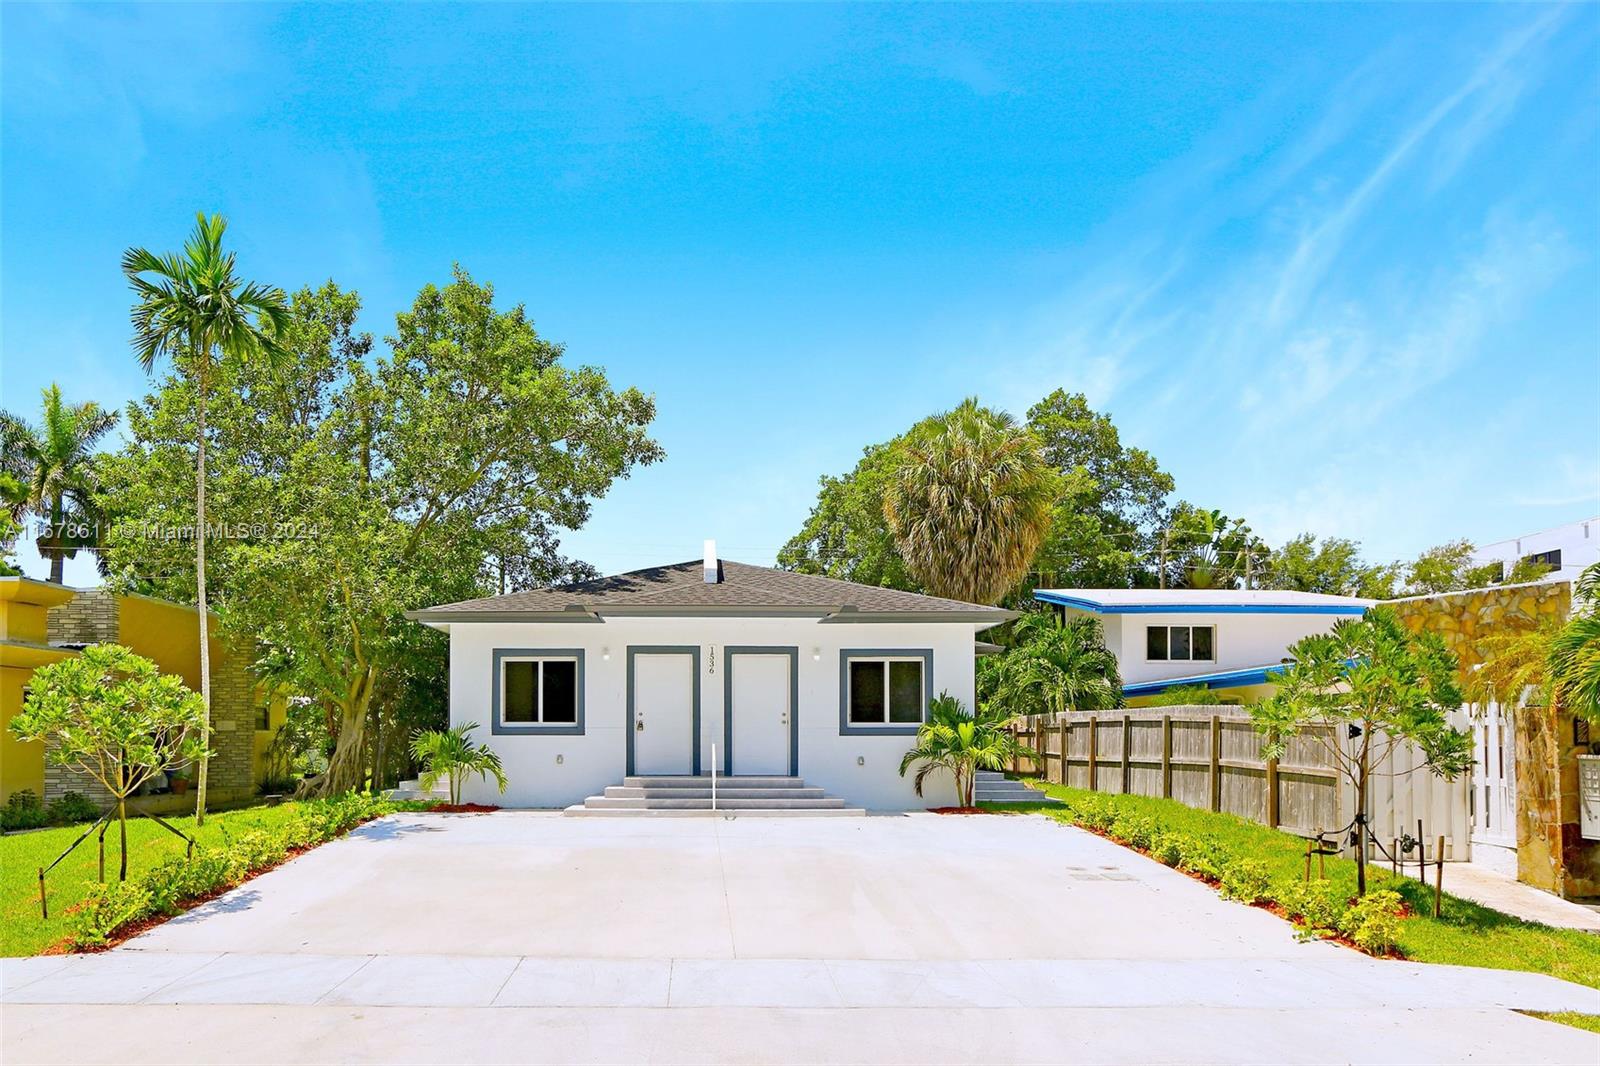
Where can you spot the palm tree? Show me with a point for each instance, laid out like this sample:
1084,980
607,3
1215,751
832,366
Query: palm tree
1574,657
54,463
971,502
1055,666
193,309
955,740
452,752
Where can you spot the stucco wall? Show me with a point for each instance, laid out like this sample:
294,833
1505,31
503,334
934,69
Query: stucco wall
1241,641
598,758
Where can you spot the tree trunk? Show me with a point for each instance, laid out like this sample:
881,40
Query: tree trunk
1362,771
200,605
122,819
346,769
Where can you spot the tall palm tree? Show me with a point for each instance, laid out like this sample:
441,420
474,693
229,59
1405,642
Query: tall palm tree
971,502
193,309
54,463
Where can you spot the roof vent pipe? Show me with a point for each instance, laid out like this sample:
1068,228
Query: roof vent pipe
711,562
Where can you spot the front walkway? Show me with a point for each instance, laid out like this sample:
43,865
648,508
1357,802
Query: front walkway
1510,896
529,937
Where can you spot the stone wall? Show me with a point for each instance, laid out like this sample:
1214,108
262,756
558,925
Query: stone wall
1550,852
95,616
1464,618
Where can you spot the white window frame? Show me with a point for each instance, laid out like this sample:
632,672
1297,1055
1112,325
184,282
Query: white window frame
1169,627
538,721
888,690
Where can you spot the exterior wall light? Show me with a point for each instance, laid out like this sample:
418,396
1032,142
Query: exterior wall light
816,654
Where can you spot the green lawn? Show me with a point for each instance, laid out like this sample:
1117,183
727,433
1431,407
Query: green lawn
1466,934
1590,1022
22,932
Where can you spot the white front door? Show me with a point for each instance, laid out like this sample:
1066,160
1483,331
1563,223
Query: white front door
663,713
760,687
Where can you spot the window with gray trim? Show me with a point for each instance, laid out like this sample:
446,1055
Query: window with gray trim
885,691
539,690
1180,643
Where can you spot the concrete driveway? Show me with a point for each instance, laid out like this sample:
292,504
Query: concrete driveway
532,937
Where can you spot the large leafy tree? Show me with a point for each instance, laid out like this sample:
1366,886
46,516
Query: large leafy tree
1358,691
971,503
193,309
367,486
1113,501
846,535
1052,665
1333,566
52,463
1203,549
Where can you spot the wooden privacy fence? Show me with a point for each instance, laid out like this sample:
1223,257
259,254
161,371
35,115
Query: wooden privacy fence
1210,758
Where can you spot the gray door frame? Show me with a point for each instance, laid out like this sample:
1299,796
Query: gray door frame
793,653
691,650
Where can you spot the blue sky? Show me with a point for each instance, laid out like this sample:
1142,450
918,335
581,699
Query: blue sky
1335,266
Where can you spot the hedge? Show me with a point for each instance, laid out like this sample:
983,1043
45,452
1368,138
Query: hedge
179,883
1317,908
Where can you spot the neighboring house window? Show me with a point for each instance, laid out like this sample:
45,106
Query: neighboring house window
1551,558
264,717
538,692
884,691
1180,643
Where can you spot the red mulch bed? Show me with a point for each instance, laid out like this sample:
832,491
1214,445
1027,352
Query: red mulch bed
462,808
960,810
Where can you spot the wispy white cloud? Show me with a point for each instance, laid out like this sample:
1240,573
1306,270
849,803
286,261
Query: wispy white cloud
1295,307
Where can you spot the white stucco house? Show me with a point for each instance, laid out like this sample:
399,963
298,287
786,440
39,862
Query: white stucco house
1229,640
1566,549
623,693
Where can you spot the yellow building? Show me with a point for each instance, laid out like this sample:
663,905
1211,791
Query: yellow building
42,623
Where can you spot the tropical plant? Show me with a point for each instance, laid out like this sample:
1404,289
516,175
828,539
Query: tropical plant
955,740
1551,663
54,464
1187,696
112,715
1358,691
451,753
971,503
1053,665
195,310
1574,658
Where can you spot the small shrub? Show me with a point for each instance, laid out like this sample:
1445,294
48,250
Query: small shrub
71,807
1167,848
1316,906
1202,856
1373,922
178,881
107,908
22,811
1137,830
1246,880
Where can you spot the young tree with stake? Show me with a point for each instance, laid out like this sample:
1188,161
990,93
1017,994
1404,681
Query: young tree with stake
114,716
1361,690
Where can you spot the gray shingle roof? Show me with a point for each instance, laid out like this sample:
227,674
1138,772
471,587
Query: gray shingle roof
681,586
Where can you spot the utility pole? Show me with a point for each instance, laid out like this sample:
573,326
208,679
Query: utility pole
1163,558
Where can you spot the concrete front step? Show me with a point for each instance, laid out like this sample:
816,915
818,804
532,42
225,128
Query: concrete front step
728,791
993,787
678,796
723,803
582,811
704,781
